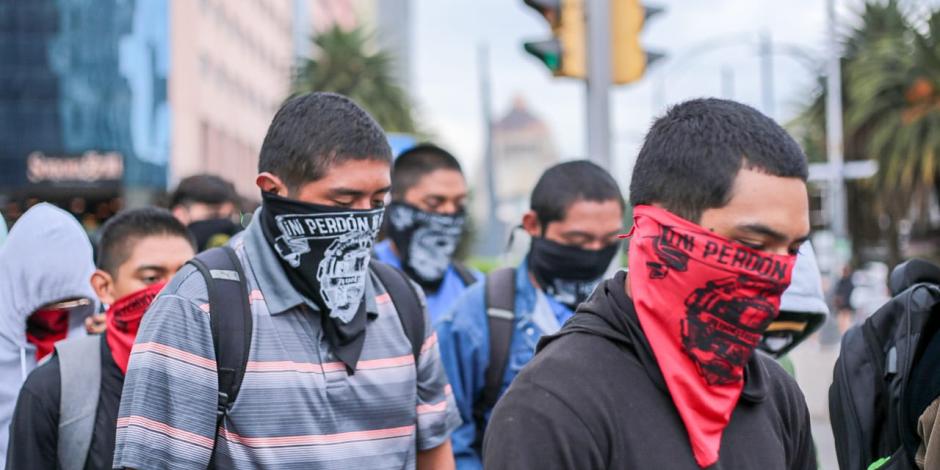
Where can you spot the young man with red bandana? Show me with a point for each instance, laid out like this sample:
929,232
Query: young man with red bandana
58,423
657,369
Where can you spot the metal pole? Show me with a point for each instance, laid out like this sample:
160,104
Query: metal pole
598,82
492,244
767,74
834,129
727,82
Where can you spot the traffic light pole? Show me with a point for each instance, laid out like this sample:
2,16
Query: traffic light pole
837,203
598,81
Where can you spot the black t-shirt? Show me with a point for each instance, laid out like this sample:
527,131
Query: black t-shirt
593,397
34,431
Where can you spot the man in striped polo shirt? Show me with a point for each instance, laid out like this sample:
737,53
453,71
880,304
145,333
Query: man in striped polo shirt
332,380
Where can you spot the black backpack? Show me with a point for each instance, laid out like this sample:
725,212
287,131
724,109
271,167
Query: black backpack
867,405
230,316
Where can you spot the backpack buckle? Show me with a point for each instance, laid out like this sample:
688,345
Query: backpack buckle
222,408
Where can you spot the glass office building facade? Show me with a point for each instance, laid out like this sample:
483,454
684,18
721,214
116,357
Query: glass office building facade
83,97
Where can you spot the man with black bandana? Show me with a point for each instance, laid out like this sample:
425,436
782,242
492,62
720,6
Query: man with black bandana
657,369
425,224
338,375
575,217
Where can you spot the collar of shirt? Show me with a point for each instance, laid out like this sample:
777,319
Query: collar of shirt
279,295
527,295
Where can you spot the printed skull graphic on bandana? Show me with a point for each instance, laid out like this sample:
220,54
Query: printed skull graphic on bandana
426,241
328,249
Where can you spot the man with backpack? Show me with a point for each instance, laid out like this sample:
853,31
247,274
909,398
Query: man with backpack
289,348
575,217
883,399
656,369
425,224
67,410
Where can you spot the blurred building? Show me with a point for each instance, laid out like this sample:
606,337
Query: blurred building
110,102
84,109
231,66
523,148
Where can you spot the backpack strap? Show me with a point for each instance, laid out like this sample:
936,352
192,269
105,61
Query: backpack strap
229,318
466,274
80,382
500,296
406,301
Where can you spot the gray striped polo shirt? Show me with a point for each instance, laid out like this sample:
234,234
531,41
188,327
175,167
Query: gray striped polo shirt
298,407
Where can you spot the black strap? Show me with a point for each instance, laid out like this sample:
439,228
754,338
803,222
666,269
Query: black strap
406,302
466,275
500,316
230,320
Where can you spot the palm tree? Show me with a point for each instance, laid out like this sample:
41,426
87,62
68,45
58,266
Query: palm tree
344,64
896,115
890,72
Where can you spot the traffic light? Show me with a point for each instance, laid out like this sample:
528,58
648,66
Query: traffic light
565,54
628,58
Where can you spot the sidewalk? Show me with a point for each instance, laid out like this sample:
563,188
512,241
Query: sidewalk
814,363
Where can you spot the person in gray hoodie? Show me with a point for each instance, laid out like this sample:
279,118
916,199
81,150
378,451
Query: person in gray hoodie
803,308
46,264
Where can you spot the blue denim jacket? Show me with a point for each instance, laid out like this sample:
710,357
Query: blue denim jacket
439,302
463,337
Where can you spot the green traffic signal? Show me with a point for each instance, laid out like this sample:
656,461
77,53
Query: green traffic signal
548,51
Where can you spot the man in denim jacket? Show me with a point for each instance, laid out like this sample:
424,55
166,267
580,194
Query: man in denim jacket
575,215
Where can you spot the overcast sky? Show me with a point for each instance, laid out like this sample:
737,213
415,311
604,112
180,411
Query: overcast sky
448,33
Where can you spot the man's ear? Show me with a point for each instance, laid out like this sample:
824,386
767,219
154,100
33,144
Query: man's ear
103,284
531,224
182,214
270,183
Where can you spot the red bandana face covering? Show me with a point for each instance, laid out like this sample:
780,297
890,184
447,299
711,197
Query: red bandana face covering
45,327
703,302
123,321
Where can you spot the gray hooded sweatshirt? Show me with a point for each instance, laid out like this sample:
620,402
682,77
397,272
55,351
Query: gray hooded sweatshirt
47,258
805,293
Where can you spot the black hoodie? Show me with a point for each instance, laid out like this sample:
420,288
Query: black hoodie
594,397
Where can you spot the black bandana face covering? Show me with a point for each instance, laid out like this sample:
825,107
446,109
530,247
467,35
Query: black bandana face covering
326,250
426,241
568,273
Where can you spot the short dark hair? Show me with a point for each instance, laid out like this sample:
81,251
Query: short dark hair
120,232
203,188
416,162
314,131
691,156
569,182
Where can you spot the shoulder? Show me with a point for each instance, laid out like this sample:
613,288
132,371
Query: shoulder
44,382
599,364
468,310
782,388
188,283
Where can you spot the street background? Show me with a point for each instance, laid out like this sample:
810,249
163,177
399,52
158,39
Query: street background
109,104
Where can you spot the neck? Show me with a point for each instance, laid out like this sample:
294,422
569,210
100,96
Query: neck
626,286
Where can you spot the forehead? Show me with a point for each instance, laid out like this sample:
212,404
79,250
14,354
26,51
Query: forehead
779,203
440,181
157,250
593,216
356,174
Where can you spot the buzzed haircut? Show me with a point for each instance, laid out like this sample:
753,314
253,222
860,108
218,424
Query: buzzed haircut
569,182
314,131
120,232
416,162
691,156
203,188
